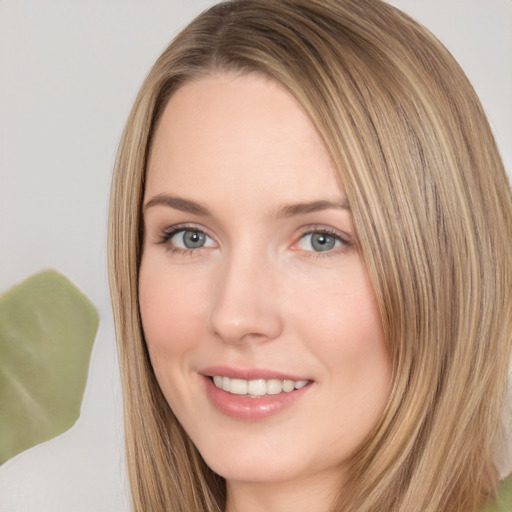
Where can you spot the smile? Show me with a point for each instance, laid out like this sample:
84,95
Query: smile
255,394
257,388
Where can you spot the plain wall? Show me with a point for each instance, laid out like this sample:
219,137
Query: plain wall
69,72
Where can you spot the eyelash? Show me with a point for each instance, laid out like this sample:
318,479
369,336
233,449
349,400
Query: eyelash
345,243
168,233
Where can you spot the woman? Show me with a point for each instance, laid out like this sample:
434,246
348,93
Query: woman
310,267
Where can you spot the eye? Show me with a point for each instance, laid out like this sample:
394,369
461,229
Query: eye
186,239
319,242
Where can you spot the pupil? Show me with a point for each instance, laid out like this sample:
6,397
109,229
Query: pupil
322,242
193,239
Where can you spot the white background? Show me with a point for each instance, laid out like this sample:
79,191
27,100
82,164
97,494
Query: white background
69,72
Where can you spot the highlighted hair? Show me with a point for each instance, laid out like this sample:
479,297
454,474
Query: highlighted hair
433,212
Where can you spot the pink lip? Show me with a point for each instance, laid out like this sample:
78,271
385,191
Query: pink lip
246,408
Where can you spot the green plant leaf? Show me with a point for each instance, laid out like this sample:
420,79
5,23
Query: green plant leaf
47,329
503,502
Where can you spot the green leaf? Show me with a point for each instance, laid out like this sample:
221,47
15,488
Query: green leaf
47,329
503,502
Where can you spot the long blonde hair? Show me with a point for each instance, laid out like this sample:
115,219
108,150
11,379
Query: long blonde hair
433,212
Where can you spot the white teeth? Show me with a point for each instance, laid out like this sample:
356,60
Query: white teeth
288,385
258,387
274,387
238,387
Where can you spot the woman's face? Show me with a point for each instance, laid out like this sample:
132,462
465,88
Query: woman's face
251,280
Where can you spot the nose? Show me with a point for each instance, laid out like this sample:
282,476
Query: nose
245,305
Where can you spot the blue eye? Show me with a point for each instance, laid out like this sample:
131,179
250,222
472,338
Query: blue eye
319,242
189,239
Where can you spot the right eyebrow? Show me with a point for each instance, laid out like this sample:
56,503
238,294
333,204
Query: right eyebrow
178,203
313,206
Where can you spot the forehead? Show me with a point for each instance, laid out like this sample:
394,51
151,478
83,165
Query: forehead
245,134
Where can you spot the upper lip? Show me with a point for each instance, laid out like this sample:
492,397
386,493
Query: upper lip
249,373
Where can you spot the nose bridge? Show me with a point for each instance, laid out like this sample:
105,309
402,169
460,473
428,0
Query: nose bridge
244,305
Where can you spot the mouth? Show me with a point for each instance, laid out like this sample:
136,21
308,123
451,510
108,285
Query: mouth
257,388
253,395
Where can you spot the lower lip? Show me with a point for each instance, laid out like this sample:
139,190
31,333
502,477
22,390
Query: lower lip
251,409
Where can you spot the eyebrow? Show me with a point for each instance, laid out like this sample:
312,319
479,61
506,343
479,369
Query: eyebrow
178,203
289,210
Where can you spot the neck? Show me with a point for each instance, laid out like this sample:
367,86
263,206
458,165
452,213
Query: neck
316,492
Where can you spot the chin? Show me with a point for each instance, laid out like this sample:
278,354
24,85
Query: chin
256,460
249,471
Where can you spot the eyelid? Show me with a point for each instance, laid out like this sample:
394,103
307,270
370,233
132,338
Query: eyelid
344,238
166,234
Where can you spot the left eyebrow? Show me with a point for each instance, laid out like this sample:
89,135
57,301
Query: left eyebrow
178,203
291,210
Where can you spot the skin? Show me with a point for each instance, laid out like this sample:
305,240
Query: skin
258,293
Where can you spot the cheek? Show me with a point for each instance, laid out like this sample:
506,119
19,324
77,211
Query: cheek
344,322
169,310
353,348
171,319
